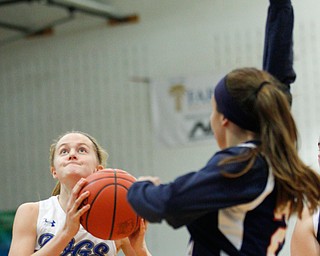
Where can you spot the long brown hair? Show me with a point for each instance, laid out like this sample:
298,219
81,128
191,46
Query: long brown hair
101,154
296,182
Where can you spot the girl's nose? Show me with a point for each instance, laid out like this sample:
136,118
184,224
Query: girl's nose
72,154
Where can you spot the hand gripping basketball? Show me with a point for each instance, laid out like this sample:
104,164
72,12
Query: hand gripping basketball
110,216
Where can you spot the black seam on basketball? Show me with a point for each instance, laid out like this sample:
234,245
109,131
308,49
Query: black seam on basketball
92,202
114,206
123,186
119,178
114,203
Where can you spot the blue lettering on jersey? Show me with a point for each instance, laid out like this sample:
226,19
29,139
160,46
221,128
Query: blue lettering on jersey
45,238
101,249
83,248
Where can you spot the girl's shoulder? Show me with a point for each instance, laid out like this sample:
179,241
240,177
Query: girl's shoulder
26,218
28,210
234,151
28,207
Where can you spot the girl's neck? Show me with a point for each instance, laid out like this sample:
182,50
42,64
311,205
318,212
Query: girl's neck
236,135
63,198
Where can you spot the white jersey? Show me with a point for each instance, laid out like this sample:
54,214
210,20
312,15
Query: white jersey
51,219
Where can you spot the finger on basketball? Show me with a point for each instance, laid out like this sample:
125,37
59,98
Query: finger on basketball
79,202
79,185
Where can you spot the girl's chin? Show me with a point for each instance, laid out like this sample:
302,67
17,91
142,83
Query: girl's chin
77,175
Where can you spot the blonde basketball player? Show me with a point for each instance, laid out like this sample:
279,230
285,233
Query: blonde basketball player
52,226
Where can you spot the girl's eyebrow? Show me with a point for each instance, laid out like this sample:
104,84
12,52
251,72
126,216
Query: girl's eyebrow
63,144
78,144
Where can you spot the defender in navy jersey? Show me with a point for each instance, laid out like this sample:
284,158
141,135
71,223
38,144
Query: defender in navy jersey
240,201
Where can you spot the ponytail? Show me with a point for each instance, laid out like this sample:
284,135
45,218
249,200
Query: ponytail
261,97
56,189
295,181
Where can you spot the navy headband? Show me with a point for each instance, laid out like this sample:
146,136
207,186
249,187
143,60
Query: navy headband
230,108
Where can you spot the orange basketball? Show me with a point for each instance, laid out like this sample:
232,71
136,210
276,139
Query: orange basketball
110,216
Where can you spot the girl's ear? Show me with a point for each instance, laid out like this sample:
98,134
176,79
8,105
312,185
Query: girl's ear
224,121
53,172
99,168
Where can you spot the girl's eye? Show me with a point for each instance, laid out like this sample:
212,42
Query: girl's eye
63,151
82,150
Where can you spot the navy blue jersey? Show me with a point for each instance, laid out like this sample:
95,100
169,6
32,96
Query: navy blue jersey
232,215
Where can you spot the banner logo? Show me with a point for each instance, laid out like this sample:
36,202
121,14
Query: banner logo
181,110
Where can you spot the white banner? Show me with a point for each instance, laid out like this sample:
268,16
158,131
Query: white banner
181,110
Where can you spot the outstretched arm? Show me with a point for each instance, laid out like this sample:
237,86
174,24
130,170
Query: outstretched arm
278,45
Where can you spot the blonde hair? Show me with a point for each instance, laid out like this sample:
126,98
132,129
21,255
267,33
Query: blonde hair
295,181
101,154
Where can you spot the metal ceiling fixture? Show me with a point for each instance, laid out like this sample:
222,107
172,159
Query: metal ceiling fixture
89,7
